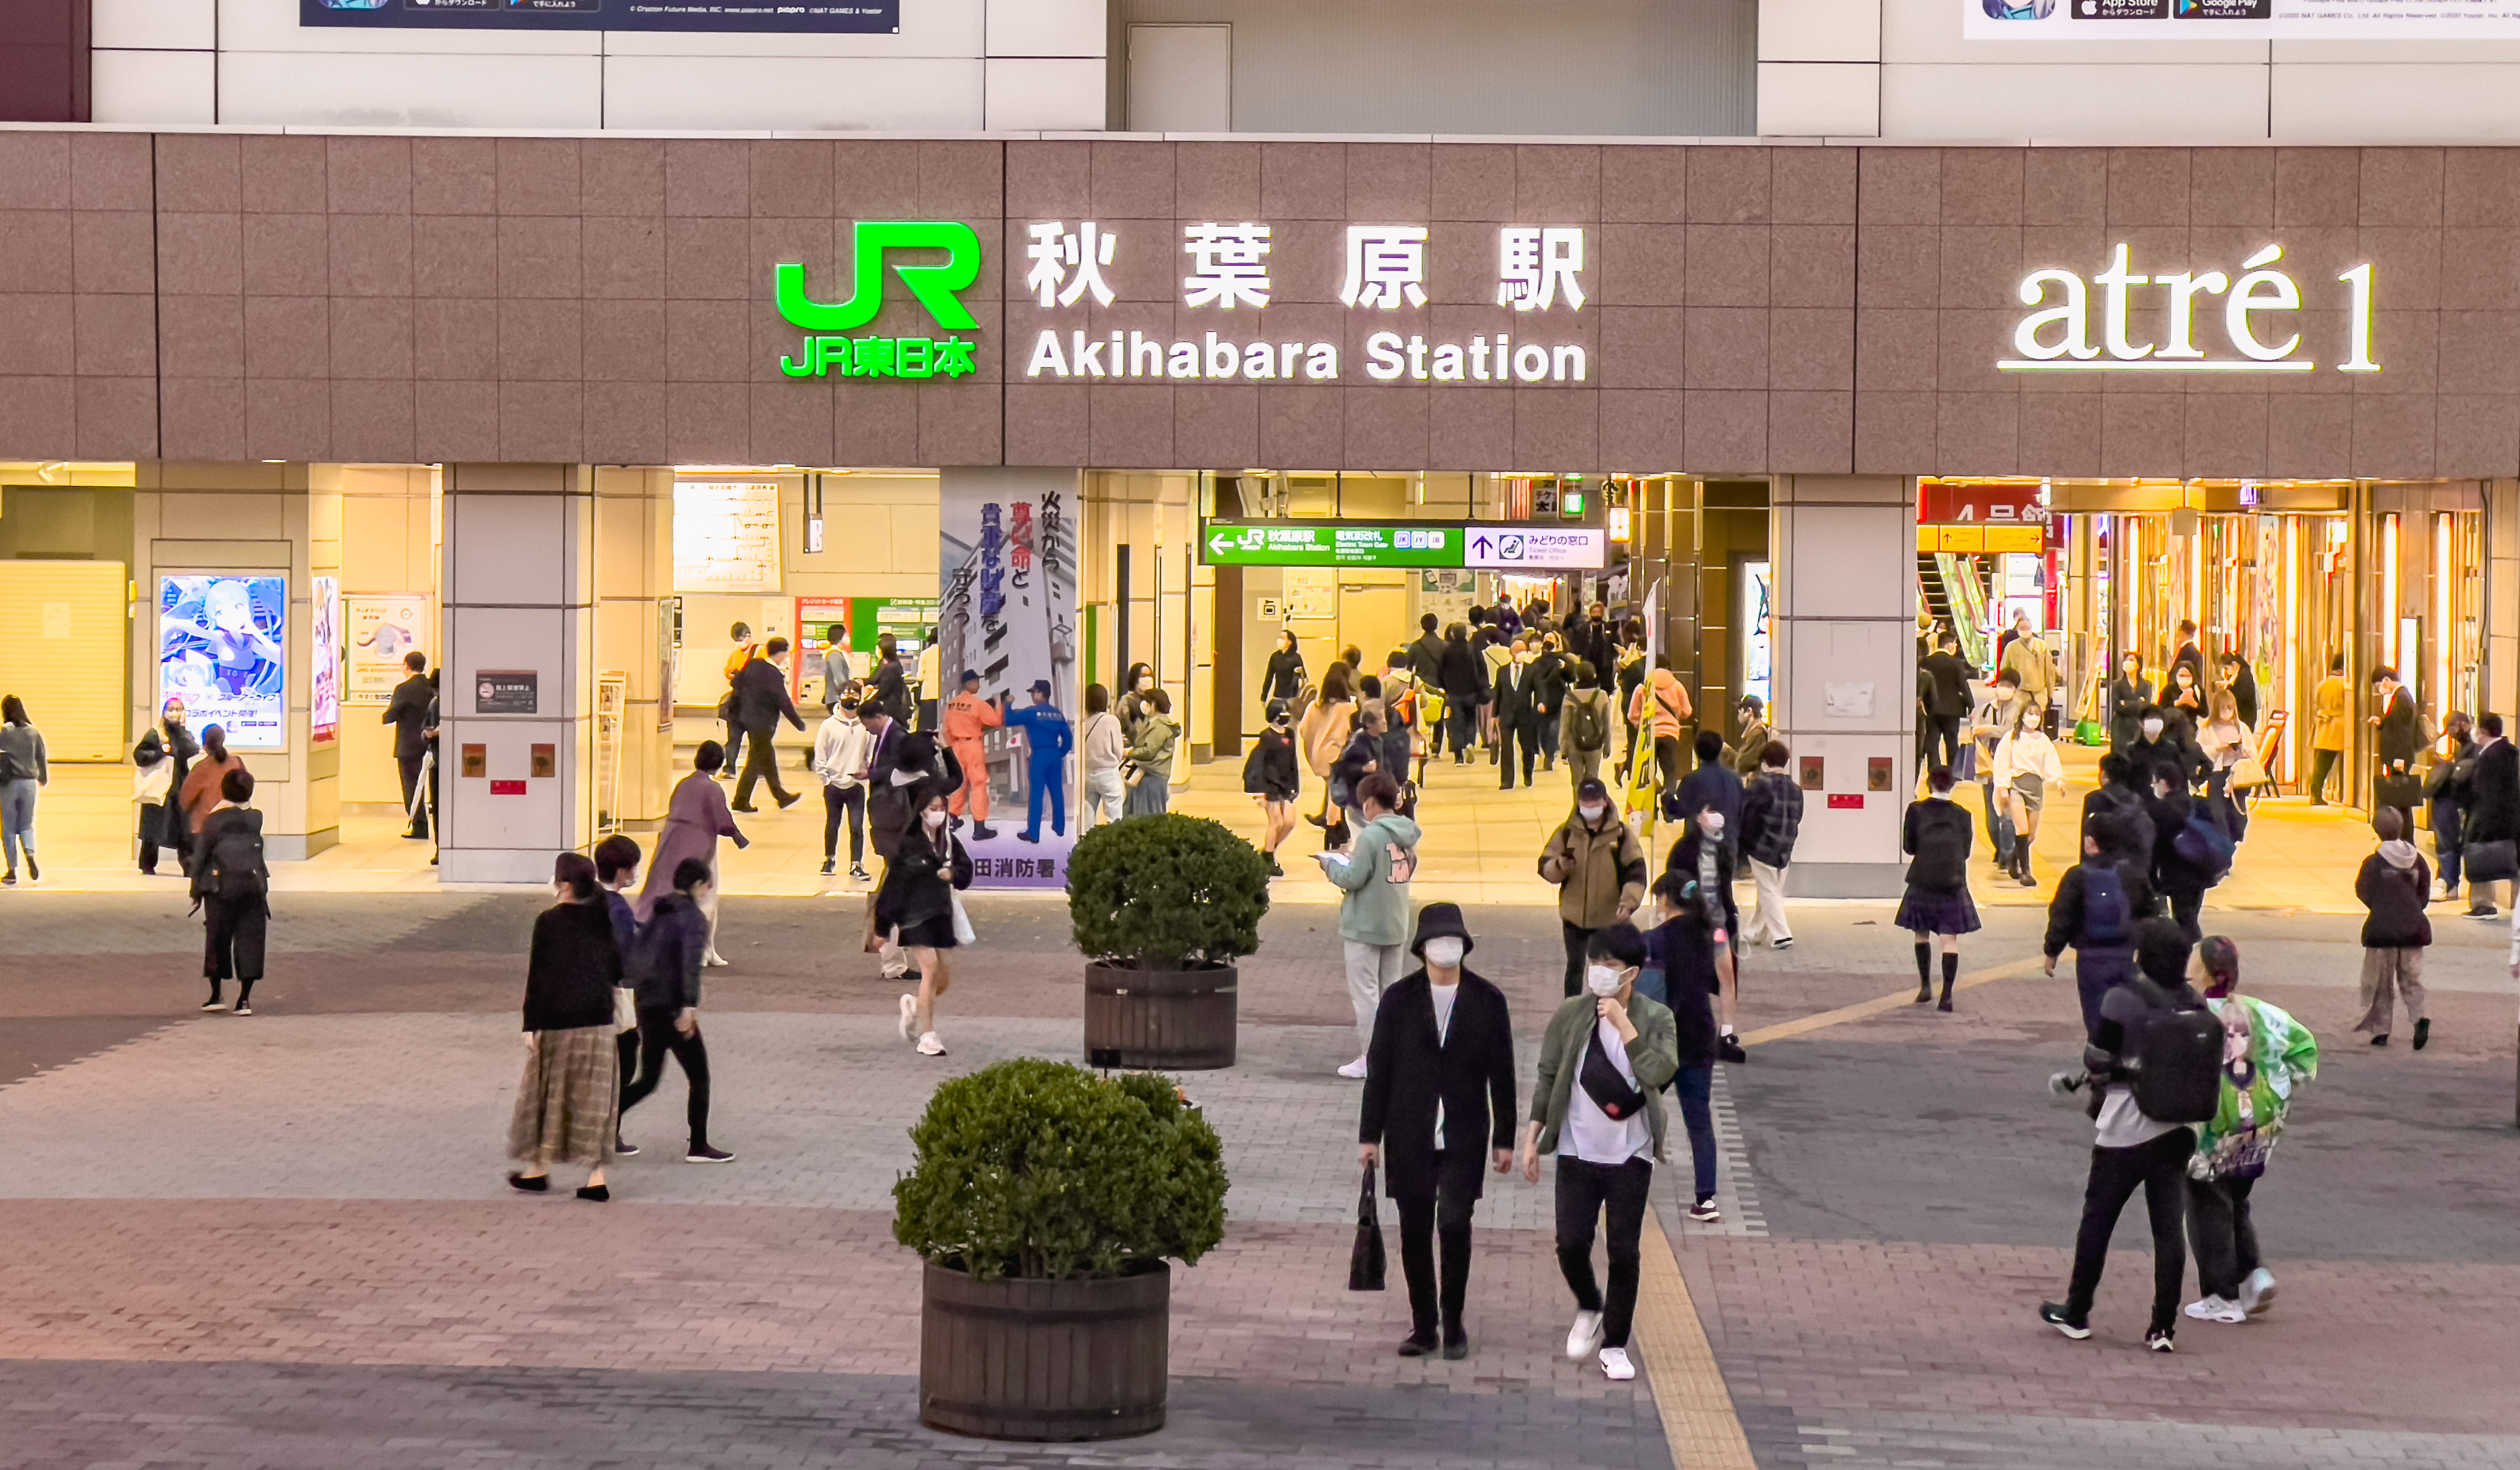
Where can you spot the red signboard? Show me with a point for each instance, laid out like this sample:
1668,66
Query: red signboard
1940,502
507,788
1846,800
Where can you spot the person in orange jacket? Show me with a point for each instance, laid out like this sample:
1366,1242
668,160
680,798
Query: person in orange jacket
968,721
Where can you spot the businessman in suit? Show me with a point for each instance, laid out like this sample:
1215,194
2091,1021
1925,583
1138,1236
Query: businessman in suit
761,701
408,713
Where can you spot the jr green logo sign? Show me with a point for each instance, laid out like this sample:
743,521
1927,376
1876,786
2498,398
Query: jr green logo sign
936,284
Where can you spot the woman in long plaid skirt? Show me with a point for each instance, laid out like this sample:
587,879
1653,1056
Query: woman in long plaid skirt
568,1106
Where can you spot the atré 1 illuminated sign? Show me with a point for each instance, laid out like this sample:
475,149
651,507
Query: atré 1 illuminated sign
2059,337
938,286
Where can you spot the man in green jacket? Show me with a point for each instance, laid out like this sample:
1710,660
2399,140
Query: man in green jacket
1599,869
1607,1055
1372,877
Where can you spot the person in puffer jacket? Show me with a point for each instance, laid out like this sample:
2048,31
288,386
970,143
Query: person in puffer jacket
2395,885
1772,815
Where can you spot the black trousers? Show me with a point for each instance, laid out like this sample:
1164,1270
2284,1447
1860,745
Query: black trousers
1442,1215
2160,1168
656,1036
1667,759
2185,908
760,763
234,930
1577,937
1582,1191
1942,741
834,803
2225,1238
416,818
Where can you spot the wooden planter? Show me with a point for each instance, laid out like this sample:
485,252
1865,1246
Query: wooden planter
1012,1359
1159,1020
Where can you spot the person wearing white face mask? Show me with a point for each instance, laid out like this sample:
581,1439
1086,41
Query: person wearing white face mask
1438,1104
1597,1105
1599,869
916,902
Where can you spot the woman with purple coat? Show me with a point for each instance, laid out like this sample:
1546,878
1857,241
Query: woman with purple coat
694,819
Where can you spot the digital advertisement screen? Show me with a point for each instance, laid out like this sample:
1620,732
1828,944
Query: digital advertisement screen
222,647
323,664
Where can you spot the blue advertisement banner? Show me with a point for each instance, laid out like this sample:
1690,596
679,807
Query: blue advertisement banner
877,16
222,647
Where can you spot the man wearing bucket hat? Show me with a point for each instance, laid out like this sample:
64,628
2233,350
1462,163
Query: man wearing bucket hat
1047,742
1438,1106
968,721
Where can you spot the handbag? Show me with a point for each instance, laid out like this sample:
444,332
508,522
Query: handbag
2246,772
2489,862
2401,790
1364,1260
964,933
625,1008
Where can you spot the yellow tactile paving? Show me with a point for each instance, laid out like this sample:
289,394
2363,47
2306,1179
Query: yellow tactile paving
1696,1408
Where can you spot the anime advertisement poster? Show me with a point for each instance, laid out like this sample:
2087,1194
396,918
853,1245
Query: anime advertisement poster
324,662
382,631
1008,614
222,647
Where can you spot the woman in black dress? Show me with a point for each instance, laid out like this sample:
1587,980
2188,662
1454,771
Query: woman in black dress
1270,774
917,902
1936,835
1284,679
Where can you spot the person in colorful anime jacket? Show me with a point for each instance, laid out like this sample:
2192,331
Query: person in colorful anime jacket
1047,742
2266,1056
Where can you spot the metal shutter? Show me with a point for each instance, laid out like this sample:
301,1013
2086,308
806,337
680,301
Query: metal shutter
65,630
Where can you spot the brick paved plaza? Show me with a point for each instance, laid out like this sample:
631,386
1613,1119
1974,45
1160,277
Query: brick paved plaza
283,1241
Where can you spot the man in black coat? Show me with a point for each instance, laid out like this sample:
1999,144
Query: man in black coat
1947,702
1439,1093
408,713
2491,807
1514,720
761,701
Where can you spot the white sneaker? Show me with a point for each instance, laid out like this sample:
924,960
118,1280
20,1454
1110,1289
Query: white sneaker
1354,1070
215,1005
929,1046
1586,1337
2216,1310
2258,1290
908,1013
1615,1366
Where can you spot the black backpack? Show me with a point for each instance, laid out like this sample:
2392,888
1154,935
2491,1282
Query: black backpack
2107,917
1941,864
2179,1077
234,869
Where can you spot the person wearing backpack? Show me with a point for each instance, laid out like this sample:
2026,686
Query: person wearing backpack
1935,835
2121,793
1584,726
1598,868
231,887
2155,1064
2190,852
2394,886
2097,906
662,965
2266,1056
1271,775
1373,878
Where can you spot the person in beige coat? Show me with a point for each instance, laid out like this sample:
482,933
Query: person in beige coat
1599,869
1323,732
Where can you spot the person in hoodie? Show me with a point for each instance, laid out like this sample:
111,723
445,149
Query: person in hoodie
2129,1149
841,746
2394,886
1935,836
2266,1056
1372,877
2098,902
1438,1104
1772,816
663,966
1271,775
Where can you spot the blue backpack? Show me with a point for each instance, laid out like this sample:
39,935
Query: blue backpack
2203,844
2106,914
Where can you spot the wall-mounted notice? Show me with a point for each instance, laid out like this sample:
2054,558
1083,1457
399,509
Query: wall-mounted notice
850,15
383,630
726,536
222,646
324,662
2237,20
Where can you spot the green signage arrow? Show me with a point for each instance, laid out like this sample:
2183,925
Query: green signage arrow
1332,543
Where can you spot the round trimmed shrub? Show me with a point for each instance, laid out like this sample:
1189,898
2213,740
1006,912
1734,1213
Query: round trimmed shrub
1044,1170
1166,891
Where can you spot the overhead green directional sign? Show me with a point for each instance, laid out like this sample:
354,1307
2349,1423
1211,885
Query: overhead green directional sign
1328,543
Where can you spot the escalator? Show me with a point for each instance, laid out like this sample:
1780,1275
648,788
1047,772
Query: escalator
1956,598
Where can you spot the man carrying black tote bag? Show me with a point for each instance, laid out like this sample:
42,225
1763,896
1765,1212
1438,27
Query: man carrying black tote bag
1365,1263
1438,1095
